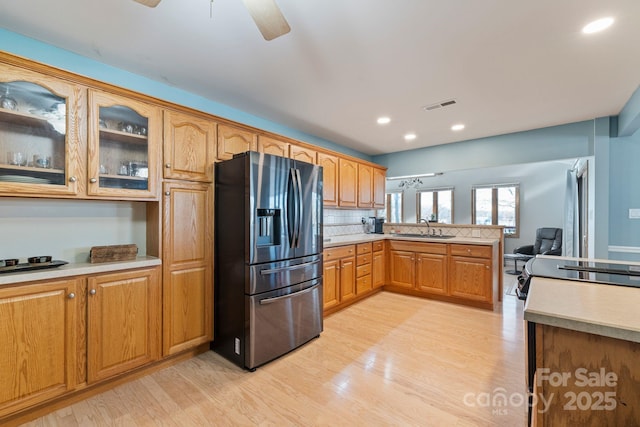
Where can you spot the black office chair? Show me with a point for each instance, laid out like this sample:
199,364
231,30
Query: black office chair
548,242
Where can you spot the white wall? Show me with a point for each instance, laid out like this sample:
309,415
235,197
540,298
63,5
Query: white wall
67,229
542,193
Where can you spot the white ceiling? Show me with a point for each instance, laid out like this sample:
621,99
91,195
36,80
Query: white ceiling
511,65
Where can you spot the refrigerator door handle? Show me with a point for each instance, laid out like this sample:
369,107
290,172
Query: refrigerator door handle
294,294
293,267
300,207
292,216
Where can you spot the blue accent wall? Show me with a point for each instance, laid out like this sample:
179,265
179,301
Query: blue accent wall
552,143
66,60
629,118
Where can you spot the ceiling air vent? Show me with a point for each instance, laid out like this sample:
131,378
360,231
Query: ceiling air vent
440,104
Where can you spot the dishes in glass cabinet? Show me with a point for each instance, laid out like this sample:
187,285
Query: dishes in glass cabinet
16,158
24,179
7,102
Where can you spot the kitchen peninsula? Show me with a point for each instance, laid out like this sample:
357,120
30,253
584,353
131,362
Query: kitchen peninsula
583,345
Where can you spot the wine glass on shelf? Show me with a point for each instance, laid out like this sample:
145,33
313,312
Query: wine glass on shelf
7,102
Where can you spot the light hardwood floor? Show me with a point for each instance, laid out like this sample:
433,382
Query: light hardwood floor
390,360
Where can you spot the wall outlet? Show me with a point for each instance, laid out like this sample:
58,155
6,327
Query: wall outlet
634,213
475,233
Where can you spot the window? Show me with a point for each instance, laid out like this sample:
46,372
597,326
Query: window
435,204
393,207
497,205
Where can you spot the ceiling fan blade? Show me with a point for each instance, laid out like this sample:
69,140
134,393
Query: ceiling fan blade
268,18
150,3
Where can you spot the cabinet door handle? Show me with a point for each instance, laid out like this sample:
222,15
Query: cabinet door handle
167,193
92,292
168,166
72,179
93,180
71,295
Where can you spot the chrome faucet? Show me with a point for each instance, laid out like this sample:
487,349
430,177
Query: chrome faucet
428,225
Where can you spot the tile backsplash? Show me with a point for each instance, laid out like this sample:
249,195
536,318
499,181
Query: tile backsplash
338,222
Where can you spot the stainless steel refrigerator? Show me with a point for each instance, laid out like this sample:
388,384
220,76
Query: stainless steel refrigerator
268,257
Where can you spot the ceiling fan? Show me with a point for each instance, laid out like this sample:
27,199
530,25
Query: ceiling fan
265,13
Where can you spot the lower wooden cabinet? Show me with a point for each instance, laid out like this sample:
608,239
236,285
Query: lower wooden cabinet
39,337
471,274
455,272
123,322
431,273
63,334
419,266
352,272
378,265
363,268
339,276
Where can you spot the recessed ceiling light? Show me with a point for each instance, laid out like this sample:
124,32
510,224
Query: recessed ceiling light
597,25
383,120
457,127
410,137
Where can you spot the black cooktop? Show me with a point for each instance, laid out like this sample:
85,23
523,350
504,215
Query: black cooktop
588,271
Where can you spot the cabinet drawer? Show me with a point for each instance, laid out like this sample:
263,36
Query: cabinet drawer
364,248
339,252
363,284
475,251
363,259
378,246
363,270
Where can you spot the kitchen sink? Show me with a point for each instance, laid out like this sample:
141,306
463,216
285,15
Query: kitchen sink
426,236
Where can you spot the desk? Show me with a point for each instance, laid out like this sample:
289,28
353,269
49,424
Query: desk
516,258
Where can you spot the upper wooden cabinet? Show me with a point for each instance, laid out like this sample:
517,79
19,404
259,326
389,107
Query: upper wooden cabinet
124,150
379,187
371,186
365,186
348,184
308,155
39,352
189,147
42,134
329,165
233,140
273,146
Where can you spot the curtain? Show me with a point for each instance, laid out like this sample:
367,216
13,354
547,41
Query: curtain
571,235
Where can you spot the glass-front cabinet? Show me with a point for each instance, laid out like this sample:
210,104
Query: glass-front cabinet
123,147
41,134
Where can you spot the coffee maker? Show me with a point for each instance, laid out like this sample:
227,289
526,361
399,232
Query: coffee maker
374,225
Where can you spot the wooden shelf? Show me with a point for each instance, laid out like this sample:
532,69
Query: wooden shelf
25,119
25,169
125,177
119,136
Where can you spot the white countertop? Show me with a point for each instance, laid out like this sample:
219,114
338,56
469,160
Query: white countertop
77,269
351,239
606,310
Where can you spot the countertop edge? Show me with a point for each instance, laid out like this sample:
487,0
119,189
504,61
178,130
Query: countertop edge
77,269
610,331
364,238
594,308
